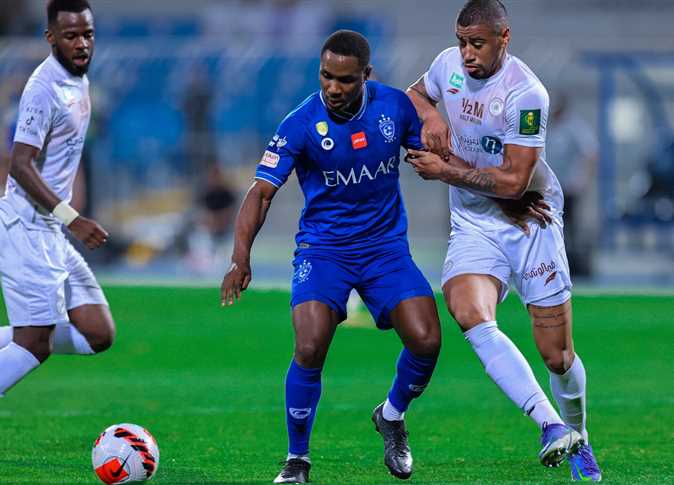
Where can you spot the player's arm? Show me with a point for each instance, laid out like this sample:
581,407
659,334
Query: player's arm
249,220
510,180
22,169
435,133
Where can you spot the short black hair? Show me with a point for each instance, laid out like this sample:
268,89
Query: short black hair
484,12
56,6
348,43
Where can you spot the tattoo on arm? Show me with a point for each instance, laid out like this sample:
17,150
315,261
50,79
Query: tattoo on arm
478,180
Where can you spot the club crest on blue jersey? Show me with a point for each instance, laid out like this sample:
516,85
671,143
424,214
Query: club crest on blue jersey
387,128
303,271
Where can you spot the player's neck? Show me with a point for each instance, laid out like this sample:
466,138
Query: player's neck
351,111
498,65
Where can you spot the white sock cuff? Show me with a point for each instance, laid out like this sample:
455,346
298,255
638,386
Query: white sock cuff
292,456
481,333
68,340
15,362
576,368
26,358
6,335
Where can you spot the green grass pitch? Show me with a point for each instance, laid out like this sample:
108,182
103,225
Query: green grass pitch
208,383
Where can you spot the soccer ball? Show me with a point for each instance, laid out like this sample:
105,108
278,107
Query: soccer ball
125,453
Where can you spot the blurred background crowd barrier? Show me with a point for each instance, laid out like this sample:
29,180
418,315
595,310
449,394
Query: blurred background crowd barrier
186,96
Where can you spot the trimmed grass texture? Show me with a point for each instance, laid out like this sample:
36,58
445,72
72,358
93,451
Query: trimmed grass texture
208,383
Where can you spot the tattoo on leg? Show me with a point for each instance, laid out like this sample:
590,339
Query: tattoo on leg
549,318
539,324
554,315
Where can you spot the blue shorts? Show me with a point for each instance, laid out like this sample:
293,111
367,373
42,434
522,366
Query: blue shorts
383,276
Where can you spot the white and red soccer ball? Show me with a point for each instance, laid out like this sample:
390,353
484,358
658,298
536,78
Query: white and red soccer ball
125,453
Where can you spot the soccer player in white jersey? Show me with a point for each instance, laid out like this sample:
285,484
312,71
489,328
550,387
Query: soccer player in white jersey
54,303
494,146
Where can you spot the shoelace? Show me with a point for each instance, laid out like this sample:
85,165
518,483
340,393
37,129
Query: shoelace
399,436
294,466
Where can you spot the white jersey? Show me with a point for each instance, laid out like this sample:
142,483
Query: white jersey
54,115
510,107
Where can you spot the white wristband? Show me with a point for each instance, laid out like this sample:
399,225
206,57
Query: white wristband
64,213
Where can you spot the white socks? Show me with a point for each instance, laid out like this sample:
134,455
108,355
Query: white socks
15,362
6,335
65,340
508,368
68,340
298,457
569,392
390,413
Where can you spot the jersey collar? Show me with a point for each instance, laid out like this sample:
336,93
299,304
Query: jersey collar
358,115
63,72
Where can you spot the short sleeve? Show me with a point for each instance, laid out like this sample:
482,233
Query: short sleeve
527,117
34,117
434,78
282,153
411,129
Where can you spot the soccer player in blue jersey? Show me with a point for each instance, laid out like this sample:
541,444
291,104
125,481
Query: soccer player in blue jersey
344,144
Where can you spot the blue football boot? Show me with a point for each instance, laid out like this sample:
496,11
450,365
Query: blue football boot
584,466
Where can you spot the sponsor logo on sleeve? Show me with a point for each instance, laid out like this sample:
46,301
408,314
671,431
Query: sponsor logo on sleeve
358,140
530,121
270,159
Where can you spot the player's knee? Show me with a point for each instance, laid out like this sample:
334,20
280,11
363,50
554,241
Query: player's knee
469,315
309,355
556,361
425,344
102,338
37,341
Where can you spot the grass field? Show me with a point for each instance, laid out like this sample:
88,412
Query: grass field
208,383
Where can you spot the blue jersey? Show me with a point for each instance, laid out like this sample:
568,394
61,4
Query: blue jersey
348,169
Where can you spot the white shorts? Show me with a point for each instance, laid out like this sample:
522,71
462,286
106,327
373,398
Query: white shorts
43,275
536,264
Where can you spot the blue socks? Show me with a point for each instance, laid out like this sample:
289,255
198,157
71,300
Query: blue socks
303,390
411,380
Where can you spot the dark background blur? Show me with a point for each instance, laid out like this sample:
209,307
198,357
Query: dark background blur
186,95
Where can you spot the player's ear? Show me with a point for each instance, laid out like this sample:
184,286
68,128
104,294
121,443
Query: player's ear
368,71
505,36
49,36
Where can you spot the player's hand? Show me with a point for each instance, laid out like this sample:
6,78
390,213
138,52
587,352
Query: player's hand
235,281
428,165
530,206
435,136
89,232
